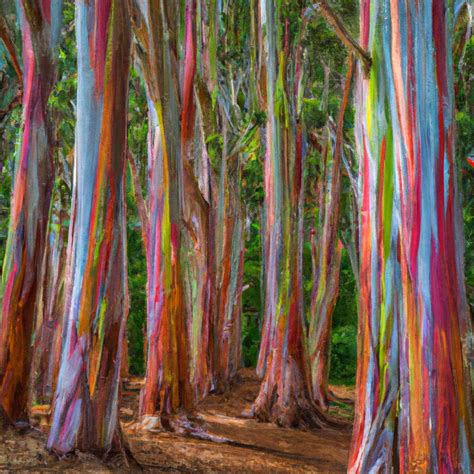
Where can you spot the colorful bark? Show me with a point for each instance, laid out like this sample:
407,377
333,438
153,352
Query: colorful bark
165,384
29,207
50,311
218,116
412,411
196,221
195,257
229,253
178,301
326,250
85,407
326,261
285,395
5,36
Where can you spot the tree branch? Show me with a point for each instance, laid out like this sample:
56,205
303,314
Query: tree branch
342,110
336,24
16,100
5,37
141,203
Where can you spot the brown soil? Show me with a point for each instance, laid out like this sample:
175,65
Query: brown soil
231,444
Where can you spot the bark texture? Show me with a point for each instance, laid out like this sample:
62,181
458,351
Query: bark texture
30,204
285,395
85,407
412,412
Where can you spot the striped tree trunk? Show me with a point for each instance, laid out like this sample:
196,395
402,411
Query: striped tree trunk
27,234
49,318
177,373
412,411
229,253
285,395
85,407
218,111
326,249
326,261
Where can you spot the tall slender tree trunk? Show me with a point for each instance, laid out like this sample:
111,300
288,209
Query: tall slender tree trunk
229,252
412,412
177,372
217,108
50,312
326,262
285,395
29,207
165,387
197,279
85,408
328,256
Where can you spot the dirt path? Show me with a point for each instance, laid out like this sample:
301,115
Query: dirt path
247,445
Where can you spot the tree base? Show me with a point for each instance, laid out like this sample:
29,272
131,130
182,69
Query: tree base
122,459
299,413
285,399
118,454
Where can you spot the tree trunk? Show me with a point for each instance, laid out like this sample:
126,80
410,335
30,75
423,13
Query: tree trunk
48,333
285,395
165,383
229,252
85,408
29,208
178,283
327,256
412,412
195,258
220,116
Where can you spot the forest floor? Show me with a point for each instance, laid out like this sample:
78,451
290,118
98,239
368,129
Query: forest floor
239,444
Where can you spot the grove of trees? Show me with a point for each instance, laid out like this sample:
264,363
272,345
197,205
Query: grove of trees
190,187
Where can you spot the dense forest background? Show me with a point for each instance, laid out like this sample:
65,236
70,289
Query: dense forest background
326,63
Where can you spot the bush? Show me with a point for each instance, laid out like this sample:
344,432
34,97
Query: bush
343,355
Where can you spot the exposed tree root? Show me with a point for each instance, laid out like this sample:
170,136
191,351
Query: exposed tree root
327,398
333,398
300,412
177,423
123,458
118,456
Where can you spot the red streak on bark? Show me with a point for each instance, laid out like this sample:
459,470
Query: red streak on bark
188,107
99,41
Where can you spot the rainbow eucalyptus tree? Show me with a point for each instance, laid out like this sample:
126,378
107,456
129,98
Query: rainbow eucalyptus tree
412,412
229,281
177,372
326,262
85,407
50,310
229,252
227,133
40,24
326,253
285,395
